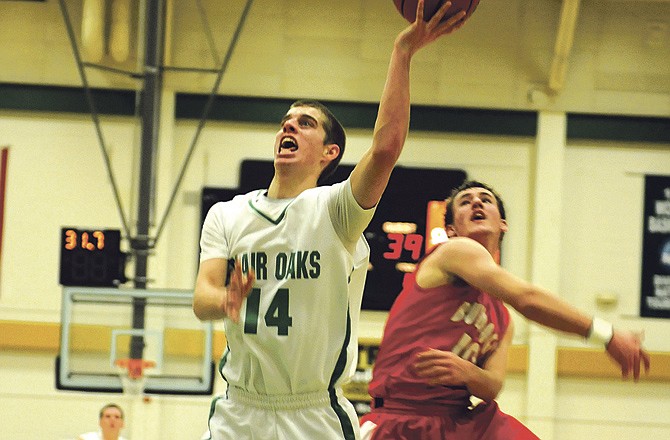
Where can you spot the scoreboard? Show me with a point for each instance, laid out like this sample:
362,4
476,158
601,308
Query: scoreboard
91,257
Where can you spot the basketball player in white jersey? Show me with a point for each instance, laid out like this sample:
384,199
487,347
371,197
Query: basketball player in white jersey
292,304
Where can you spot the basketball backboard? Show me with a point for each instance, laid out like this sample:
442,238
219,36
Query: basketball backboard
102,328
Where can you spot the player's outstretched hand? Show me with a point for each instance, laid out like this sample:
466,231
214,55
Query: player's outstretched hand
626,349
421,32
238,289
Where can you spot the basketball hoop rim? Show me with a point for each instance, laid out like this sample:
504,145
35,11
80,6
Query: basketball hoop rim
135,367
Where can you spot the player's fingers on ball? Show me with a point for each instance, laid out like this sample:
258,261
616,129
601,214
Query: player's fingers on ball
444,8
454,23
440,13
457,19
419,11
461,22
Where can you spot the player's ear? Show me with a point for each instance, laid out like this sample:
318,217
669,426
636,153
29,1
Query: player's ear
451,232
503,225
331,151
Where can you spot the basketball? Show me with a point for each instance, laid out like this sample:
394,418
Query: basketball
408,8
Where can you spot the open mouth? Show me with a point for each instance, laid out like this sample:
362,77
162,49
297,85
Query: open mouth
288,143
478,216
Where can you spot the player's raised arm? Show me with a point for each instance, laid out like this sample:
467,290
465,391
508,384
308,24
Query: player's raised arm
370,176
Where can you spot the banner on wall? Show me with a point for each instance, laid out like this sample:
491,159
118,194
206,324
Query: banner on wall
655,291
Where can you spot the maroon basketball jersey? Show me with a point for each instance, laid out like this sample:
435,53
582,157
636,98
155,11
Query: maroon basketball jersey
456,318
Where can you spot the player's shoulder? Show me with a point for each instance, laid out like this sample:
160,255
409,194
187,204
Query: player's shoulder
456,252
237,201
326,189
458,245
332,194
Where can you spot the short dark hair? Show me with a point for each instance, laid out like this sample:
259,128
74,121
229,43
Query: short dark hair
334,133
449,212
110,405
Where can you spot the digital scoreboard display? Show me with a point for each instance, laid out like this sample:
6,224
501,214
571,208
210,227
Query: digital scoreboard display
91,257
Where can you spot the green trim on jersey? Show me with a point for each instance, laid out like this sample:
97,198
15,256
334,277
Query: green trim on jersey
212,409
223,360
342,358
267,217
345,421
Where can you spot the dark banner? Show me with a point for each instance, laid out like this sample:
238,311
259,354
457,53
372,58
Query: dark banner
655,292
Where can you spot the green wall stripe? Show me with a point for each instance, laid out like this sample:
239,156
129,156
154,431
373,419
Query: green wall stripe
618,128
28,97
65,99
475,121
231,108
363,115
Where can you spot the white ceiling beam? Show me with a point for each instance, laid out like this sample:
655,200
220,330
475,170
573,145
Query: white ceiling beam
563,46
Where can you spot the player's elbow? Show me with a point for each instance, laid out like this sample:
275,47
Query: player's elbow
202,306
198,308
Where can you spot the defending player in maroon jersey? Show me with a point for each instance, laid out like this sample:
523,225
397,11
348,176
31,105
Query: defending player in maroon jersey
448,332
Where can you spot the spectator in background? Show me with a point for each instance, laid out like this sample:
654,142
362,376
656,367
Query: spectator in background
111,424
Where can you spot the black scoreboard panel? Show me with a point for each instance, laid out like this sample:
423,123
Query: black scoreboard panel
91,257
399,231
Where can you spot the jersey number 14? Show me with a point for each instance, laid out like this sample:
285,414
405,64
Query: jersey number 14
277,314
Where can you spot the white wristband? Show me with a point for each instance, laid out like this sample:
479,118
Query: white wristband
600,332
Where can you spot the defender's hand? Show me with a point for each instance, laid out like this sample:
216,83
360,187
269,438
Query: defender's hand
626,349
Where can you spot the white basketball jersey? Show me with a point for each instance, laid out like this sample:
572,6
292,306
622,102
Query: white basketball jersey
298,327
